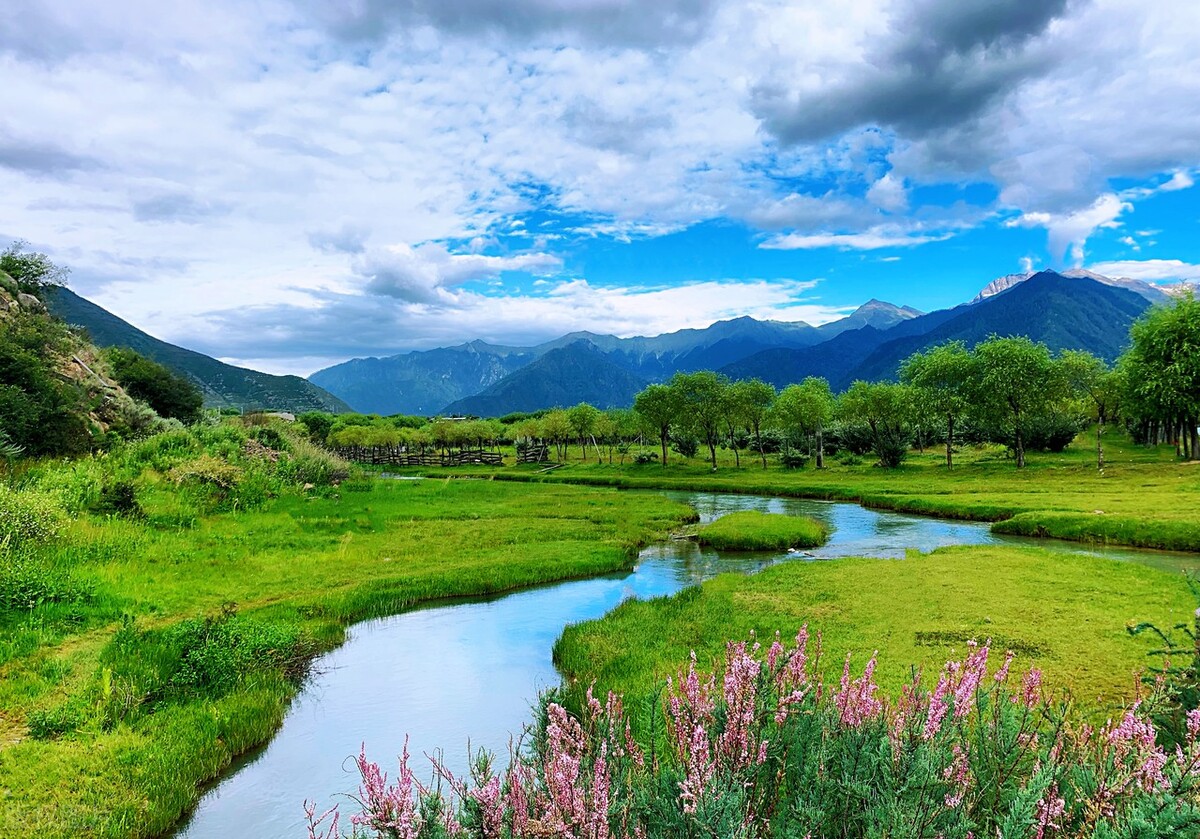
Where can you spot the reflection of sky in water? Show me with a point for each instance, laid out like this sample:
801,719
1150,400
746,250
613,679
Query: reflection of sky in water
468,671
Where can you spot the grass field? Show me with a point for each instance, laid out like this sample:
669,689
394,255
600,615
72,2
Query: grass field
139,732
750,530
1064,614
1143,498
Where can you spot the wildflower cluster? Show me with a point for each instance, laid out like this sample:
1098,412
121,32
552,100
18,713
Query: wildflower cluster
762,748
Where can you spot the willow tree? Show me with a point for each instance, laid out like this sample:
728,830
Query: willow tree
656,407
804,410
884,408
1015,380
1162,368
942,378
1098,386
752,400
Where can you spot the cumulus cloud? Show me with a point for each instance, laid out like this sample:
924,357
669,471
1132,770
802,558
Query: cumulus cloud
424,274
1072,230
269,149
942,62
1150,270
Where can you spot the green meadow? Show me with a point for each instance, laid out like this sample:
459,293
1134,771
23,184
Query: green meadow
190,638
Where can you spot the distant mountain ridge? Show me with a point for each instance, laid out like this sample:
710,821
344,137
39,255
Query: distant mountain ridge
1074,309
223,385
578,372
425,382
1062,312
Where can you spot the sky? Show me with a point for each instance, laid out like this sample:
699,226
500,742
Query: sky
286,184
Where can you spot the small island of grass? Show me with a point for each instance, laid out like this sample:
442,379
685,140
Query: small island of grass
751,530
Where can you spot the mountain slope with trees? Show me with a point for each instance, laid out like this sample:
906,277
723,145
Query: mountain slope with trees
223,385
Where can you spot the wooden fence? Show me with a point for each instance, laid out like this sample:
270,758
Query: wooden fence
399,456
533,454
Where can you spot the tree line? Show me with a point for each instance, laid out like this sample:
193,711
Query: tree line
1007,391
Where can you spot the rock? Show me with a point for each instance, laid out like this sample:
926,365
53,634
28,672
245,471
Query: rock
30,303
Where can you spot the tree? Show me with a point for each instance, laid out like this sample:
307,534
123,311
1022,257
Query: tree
582,419
32,271
942,376
1162,368
752,402
169,394
884,408
1100,388
701,403
557,428
804,410
1015,381
657,407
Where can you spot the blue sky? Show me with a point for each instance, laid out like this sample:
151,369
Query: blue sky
292,183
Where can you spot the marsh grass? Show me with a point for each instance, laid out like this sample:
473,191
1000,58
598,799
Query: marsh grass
1064,614
751,530
117,706
1144,497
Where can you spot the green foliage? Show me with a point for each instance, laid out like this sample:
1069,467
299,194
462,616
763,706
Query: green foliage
1162,367
750,530
168,393
1017,380
28,517
28,580
33,272
317,423
40,412
885,409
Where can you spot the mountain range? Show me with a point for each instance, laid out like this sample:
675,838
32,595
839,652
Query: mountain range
1076,309
223,385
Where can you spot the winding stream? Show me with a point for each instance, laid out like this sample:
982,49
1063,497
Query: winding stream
468,670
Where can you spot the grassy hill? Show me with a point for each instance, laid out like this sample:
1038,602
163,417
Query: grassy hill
223,385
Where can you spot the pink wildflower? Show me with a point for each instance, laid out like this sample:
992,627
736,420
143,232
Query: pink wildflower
856,699
958,776
971,676
1031,689
1002,674
388,809
1048,812
315,822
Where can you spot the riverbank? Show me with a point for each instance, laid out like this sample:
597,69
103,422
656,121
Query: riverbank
1143,498
1065,614
139,692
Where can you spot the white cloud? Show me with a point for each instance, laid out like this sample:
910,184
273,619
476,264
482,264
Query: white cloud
889,193
868,241
1072,230
302,338
425,273
1150,270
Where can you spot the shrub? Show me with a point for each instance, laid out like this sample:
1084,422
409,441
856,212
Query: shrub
763,748
168,393
118,499
686,446
207,470
28,581
28,516
793,460
642,458
310,464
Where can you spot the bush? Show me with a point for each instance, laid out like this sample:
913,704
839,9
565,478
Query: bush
207,470
686,446
28,581
169,394
118,499
793,460
28,516
310,464
765,748
643,458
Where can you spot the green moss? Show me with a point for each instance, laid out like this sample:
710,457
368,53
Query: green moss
751,530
